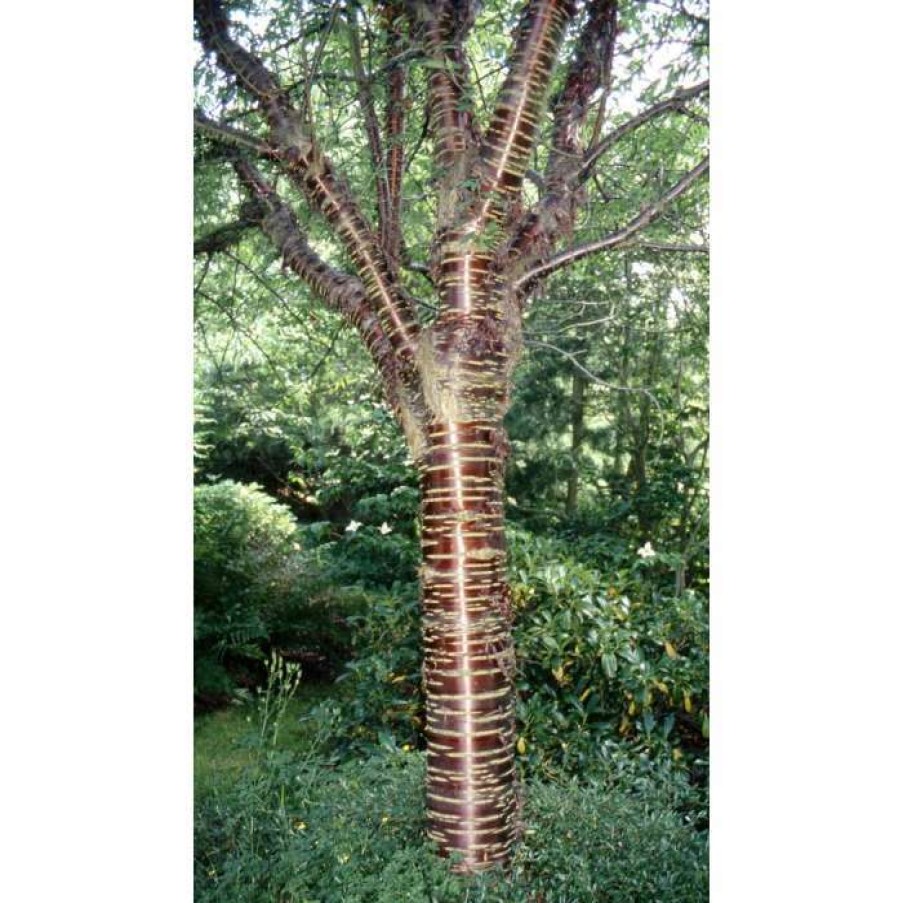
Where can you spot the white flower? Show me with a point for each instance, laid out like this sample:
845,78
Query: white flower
385,528
353,527
646,551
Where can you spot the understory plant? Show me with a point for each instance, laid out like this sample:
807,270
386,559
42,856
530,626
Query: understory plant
302,831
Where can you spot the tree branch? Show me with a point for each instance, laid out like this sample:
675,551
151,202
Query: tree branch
310,169
674,102
505,149
371,127
343,293
621,236
589,71
391,234
231,137
224,237
664,246
445,25
588,374
251,74
237,327
314,69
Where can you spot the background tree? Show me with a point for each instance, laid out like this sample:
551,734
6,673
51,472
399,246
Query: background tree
482,169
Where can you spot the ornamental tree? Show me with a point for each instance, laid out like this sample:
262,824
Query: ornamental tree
423,168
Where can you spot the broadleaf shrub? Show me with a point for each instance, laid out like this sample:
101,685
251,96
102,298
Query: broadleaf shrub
602,654
382,699
603,657
257,589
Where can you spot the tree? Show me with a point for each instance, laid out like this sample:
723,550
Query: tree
444,332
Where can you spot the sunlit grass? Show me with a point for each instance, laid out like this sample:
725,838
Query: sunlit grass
226,741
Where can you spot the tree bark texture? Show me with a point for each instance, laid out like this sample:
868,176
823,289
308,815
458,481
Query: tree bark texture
468,651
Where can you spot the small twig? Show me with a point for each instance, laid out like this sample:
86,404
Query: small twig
620,236
315,62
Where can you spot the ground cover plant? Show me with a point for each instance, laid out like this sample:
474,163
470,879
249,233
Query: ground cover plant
280,817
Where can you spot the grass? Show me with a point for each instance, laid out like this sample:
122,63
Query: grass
226,741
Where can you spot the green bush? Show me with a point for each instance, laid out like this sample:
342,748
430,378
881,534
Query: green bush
603,655
372,559
248,581
604,660
382,700
299,831
376,548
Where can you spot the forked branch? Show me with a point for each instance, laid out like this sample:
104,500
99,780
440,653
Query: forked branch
300,156
675,102
343,293
505,149
589,73
553,216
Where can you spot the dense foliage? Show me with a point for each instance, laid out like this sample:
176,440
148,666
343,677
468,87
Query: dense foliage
354,834
258,591
297,823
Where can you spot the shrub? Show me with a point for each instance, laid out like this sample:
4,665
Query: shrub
246,569
603,655
372,559
382,700
354,833
376,548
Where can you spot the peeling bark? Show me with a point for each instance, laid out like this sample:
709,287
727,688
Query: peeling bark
468,649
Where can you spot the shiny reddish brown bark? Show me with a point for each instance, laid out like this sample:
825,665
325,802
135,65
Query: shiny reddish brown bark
468,652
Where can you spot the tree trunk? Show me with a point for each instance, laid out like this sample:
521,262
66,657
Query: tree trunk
468,651
578,431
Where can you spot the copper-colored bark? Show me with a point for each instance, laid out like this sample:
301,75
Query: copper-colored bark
467,644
